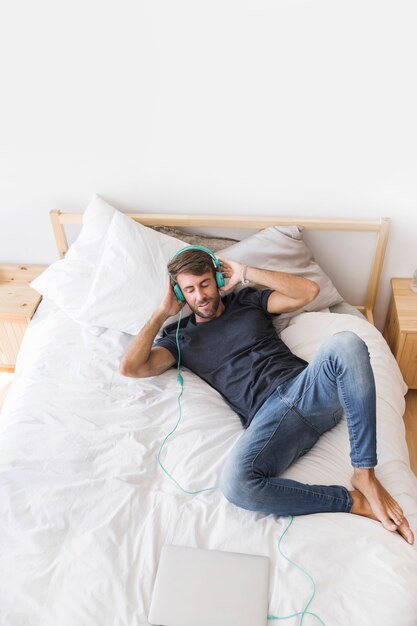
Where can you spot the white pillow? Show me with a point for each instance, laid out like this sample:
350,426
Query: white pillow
129,280
96,220
114,274
281,248
67,281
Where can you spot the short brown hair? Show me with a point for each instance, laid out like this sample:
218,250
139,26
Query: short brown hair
195,262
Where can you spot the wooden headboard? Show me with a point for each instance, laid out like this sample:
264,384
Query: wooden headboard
381,227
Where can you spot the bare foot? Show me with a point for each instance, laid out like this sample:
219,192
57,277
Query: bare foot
373,501
386,509
361,506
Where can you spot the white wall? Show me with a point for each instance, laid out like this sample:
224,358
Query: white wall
301,107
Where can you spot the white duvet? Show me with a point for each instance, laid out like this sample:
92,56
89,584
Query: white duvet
85,508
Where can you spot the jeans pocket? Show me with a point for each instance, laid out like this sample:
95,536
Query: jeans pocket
319,421
320,415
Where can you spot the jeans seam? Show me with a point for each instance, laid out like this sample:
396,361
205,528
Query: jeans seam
365,464
304,491
342,391
349,505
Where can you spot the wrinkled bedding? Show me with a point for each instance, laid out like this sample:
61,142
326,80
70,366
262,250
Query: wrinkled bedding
85,508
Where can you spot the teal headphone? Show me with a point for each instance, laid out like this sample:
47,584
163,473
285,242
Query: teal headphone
218,275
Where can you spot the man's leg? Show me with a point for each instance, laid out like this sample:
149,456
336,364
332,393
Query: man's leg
276,437
344,360
290,422
339,379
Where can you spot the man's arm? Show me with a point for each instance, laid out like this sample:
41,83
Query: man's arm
290,292
141,359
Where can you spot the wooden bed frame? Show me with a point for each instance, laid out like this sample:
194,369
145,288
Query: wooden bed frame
381,226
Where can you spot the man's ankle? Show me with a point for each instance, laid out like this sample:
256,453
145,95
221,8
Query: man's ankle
357,502
364,471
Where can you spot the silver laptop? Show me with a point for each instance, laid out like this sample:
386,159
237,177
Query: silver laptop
194,586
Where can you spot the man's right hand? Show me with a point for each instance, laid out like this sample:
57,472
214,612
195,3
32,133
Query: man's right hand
142,359
170,304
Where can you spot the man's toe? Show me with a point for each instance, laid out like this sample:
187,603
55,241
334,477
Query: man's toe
405,530
388,524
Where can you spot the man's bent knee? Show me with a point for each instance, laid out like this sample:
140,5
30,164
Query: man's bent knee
240,487
348,341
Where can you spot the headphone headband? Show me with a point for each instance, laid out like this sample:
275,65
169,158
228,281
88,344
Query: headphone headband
197,247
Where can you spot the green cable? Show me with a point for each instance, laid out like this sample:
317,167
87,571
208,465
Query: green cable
181,381
272,617
304,612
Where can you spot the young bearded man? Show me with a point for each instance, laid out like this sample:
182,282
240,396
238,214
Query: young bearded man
285,404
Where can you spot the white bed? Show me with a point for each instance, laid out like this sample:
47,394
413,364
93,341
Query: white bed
86,509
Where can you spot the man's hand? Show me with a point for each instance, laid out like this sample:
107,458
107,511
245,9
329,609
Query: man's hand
170,304
231,270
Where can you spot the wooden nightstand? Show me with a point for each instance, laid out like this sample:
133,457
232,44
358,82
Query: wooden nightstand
18,303
401,329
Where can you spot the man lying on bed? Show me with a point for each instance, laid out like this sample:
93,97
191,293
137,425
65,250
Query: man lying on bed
284,403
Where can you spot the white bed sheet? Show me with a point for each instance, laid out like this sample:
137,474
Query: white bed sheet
86,509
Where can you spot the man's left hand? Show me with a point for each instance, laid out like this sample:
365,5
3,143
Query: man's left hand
231,270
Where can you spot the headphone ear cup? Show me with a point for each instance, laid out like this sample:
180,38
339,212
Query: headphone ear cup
178,293
220,279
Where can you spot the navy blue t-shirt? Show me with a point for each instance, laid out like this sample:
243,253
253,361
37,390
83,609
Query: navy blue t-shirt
237,353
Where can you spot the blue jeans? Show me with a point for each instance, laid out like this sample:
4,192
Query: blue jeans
339,379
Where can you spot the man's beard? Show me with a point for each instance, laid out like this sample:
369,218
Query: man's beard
210,310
